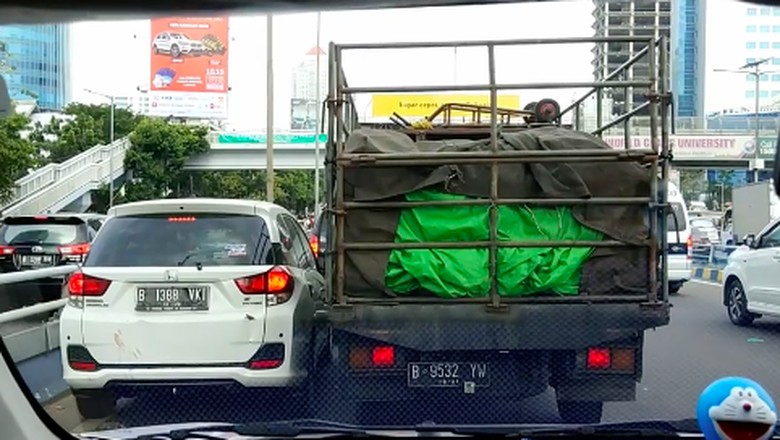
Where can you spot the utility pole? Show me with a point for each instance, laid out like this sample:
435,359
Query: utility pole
317,97
112,101
269,141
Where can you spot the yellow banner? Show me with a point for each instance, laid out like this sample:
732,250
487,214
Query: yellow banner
423,105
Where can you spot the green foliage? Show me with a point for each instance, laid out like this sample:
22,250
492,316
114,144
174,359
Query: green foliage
17,155
90,126
157,155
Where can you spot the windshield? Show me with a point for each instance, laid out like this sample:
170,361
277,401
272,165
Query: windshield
397,217
40,233
176,240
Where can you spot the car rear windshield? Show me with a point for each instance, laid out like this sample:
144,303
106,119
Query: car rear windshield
20,231
675,220
182,240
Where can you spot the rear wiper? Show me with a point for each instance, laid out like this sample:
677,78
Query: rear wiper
293,428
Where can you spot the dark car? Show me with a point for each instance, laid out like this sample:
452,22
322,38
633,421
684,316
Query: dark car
37,241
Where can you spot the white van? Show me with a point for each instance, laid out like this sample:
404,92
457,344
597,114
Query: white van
679,240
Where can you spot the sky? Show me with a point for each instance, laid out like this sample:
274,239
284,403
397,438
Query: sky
113,57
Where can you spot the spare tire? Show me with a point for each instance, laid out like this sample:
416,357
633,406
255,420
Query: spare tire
547,110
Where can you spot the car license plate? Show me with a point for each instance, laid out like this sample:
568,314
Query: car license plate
447,374
168,298
37,260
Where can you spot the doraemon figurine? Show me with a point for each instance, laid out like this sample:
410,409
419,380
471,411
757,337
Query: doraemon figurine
736,408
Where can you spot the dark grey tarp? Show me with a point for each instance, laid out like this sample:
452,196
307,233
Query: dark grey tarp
608,271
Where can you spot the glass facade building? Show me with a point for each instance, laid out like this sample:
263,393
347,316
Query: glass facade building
39,57
688,56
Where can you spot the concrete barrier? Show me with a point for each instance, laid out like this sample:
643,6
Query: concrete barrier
712,274
709,262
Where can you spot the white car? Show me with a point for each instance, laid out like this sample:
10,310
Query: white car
679,241
180,294
176,44
751,287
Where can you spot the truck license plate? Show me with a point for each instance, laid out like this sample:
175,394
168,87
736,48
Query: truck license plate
447,374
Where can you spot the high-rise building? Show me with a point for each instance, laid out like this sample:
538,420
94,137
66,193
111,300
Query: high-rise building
304,107
38,55
682,22
762,40
688,58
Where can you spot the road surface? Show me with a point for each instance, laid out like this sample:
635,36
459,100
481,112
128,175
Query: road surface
699,346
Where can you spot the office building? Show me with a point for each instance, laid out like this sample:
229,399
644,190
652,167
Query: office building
304,106
762,40
681,21
38,55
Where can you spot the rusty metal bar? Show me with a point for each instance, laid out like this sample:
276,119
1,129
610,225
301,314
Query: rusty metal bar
631,61
499,155
376,246
622,118
602,201
664,151
653,251
579,299
330,162
485,161
495,300
514,42
483,87
340,250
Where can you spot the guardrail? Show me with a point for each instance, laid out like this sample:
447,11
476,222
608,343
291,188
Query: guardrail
43,189
34,349
54,172
712,255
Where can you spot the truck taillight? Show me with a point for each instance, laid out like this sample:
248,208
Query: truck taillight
380,356
610,359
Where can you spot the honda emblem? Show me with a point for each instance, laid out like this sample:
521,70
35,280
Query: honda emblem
171,275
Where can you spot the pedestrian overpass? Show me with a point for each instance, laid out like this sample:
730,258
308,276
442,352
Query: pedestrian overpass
67,186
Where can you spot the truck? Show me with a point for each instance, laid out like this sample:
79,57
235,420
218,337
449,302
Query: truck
754,206
440,263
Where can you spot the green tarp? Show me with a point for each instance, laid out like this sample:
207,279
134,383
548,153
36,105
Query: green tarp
451,273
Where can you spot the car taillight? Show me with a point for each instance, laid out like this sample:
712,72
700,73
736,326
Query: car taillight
277,283
85,285
314,244
75,249
690,246
6,250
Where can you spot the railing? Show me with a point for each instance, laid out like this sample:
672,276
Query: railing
711,255
50,174
44,188
342,117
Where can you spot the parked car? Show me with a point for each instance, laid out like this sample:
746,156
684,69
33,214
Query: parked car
703,231
201,292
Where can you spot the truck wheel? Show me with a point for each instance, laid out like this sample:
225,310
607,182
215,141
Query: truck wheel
97,404
737,304
580,412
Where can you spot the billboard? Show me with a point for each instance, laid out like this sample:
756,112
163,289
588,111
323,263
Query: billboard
303,114
408,105
689,146
189,67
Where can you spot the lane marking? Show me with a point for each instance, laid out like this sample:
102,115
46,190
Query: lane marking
707,283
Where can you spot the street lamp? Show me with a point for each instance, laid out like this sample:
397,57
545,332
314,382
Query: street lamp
756,73
269,82
111,149
317,128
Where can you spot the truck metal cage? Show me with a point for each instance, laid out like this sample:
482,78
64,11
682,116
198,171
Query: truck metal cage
342,118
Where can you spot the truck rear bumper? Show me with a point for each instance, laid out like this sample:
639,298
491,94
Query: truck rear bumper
528,326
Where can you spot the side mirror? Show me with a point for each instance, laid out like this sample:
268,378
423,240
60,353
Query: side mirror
749,240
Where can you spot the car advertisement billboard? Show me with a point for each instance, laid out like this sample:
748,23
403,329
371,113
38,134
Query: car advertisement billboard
189,67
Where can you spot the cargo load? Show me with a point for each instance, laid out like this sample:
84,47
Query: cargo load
451,273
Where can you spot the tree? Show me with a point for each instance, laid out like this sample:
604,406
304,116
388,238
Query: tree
89,125
157,156
17,155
